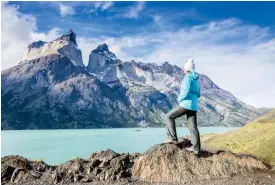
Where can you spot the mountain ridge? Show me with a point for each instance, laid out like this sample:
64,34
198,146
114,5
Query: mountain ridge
143,92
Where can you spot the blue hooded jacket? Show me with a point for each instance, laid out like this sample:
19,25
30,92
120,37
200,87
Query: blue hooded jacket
189,91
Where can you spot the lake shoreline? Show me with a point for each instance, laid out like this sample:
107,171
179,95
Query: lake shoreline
153,166
55,146
112,128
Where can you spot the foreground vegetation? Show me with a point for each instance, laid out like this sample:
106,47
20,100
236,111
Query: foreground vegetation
256,138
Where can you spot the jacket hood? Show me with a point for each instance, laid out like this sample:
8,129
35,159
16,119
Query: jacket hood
194,75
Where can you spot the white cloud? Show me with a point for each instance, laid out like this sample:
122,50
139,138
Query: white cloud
65,10
100,6
135,10
157,19
17,32
228,51
238,57
51,35
104,5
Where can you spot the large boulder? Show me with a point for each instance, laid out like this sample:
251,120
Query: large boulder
172,163
101,166
17,169
107,166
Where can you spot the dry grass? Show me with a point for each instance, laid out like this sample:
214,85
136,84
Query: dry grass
256,138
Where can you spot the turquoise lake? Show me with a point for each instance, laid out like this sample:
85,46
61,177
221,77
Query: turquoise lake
57,146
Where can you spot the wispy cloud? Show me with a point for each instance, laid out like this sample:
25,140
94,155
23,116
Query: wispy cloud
157,19
224,50
65,10
103,5
165,20
99,6
135,10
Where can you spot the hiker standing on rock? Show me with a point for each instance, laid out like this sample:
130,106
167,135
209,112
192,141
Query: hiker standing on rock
188,105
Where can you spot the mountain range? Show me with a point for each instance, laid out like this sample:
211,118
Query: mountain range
51,88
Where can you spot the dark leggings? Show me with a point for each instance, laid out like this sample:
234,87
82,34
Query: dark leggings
191,123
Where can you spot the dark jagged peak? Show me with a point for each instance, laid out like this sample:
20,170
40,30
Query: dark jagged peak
144,66
165,67
133,62
153,65
70,36
101,57
171,69
36,44
168,68
141,65
103,49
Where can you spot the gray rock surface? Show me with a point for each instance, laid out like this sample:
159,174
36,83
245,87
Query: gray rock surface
51,92
65,45
172,163
164,164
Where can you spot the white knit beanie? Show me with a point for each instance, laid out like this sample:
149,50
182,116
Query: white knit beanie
189,65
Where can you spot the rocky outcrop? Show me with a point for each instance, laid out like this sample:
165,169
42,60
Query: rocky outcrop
17,169
166,163
172,163
138,72
101,166
104,65
65,45
101,57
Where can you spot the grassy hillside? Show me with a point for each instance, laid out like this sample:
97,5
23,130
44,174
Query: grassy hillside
256,138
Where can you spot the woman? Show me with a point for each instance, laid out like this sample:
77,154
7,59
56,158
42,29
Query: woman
188,105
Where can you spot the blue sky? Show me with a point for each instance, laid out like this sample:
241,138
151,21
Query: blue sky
90,21
232,42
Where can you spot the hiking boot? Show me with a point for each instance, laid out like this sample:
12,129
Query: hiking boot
191,149
170,141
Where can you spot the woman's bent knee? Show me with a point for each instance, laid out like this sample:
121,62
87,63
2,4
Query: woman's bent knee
168,117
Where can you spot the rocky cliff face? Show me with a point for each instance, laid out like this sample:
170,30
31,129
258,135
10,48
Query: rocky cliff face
104,65
65,45
165,163
52,89
101,57
51,92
